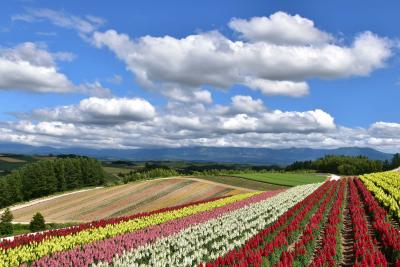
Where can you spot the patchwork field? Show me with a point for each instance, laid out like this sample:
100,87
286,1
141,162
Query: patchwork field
284,179
9,159
125,200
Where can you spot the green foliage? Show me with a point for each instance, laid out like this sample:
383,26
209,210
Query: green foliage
396,161
149,174
6,227
37,223
47,177
344,165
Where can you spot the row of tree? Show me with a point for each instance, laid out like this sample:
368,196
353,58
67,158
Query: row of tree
148,174
6,227
346,165
47,177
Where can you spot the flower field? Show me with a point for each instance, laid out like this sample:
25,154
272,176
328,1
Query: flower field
386,188
301,226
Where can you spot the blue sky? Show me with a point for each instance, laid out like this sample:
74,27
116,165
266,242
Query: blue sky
94,52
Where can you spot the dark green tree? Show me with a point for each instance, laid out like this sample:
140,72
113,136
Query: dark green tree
37,223
6,227
396,161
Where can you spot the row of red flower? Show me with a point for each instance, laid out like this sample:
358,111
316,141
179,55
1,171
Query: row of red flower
330,252
366,253
267,246
304,248
384,230
38,237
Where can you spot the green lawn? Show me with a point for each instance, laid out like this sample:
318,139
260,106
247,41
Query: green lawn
19,229
284,179
242,182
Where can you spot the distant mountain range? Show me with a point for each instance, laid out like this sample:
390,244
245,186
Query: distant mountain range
207,154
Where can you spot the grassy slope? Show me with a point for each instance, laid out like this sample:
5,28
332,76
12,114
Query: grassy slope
242,182
19,229
283,179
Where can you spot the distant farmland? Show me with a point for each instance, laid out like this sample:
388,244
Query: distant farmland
284,179
124,200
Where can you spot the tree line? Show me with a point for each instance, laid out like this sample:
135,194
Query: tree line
47,177
346,165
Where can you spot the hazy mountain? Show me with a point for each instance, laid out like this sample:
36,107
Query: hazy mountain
213,154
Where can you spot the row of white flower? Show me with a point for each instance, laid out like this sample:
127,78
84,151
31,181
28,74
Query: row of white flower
214,238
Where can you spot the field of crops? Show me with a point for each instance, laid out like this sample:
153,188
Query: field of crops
124,200
284,179
335,223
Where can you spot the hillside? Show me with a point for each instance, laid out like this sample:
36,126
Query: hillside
210,154
124,200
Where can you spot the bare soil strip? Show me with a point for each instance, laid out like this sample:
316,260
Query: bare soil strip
347,236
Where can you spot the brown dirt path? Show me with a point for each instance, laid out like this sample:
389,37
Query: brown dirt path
347,235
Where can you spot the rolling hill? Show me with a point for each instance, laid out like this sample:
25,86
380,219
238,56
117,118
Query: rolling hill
206,154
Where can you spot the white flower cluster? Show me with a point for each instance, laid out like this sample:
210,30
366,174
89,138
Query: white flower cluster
206,241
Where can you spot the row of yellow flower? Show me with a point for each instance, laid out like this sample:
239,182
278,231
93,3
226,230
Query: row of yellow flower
34,251
386,188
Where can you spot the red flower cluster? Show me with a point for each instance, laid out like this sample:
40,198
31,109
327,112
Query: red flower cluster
364,245
387,234
304,248
38,237
328,254
272,241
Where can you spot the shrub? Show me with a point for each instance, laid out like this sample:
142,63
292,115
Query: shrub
37,223
6,227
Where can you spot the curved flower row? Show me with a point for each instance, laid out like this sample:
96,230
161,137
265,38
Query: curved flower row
387,233
365,251
267,246
331,251
106,250
33,251
386,188
25,239
304,248
215,237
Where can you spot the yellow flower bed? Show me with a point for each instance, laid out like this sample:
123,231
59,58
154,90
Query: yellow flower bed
386,188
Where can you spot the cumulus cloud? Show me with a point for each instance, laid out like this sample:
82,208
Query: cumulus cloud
29,67
268,87
83,25
122,123
270,66
280,28
96,110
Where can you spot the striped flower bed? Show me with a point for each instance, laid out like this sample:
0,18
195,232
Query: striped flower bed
184,235
30,248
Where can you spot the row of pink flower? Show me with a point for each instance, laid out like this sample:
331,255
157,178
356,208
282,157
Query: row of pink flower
38,237
106,250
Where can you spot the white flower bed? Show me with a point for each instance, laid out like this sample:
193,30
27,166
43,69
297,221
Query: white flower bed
215,237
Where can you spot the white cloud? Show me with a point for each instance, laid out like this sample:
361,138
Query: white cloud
28,67
83,25
97,123
210,59
268,87
280,28
99,111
